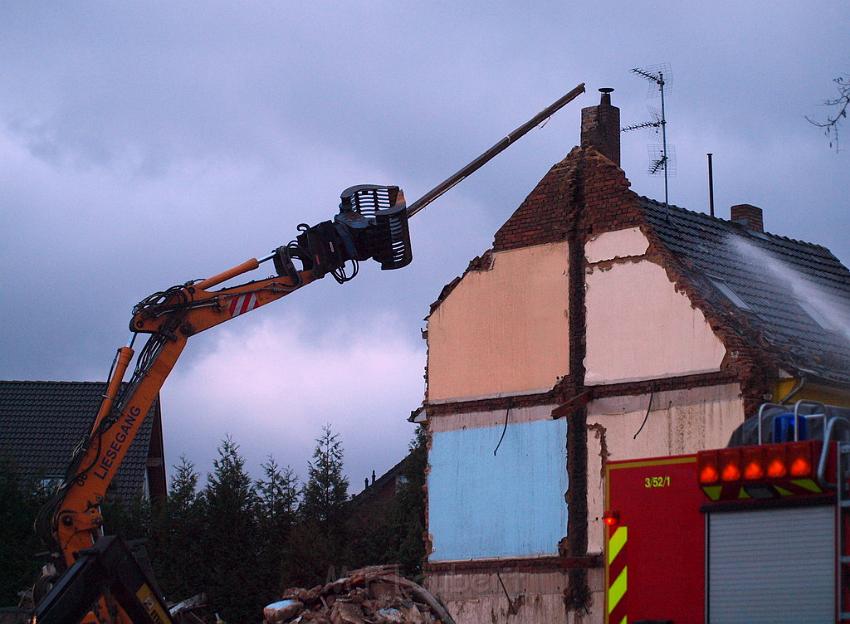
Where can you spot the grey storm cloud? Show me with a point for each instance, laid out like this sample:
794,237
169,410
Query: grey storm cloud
147,144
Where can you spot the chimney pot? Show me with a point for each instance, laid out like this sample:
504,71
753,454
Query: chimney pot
751,217
600,127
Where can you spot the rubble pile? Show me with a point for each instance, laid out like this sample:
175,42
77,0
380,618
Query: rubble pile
375,595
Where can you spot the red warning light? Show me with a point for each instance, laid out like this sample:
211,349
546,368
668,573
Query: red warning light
730,465
611,518
801,468
707,467
731,472
800,459
753,463
708,474
753,471
776,467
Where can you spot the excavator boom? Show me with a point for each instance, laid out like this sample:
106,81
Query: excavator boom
97,577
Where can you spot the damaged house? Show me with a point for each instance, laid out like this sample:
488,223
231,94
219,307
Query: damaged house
602,325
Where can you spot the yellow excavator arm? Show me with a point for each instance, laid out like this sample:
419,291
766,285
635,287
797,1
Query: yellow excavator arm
371,224
95,578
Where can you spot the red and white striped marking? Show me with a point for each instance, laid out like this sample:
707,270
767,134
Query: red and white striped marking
242,303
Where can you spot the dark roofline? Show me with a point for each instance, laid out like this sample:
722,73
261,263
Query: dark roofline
382,480
728,223
51,381
44,419
792,344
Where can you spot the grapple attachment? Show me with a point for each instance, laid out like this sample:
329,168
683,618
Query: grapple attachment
371,224
376,217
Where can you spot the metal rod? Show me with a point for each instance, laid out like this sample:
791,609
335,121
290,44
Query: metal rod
664,141
710,186
479,162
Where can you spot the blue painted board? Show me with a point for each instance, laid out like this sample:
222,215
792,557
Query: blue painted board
508,505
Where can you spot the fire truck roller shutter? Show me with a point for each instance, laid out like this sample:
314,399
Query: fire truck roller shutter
771,566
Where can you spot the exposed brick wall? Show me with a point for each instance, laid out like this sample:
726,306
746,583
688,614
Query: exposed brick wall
542,216
515,565
577,593
435,410
610,204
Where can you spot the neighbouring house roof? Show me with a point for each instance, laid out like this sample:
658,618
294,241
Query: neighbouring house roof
794,295
42,421
385,485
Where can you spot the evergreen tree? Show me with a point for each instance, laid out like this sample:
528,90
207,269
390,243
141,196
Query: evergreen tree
277,505
317,548
18,543
128,519
407,512
326,491
229,538
178,526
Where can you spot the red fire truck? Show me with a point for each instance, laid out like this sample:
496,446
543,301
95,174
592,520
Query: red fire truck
755,532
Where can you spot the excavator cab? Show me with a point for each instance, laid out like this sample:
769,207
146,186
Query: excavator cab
371,224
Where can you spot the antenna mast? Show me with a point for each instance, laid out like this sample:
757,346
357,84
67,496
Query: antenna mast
662,161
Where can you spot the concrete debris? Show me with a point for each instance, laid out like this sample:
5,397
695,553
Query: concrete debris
374,595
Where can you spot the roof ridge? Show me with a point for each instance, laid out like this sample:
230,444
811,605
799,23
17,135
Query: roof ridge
49,381
727,223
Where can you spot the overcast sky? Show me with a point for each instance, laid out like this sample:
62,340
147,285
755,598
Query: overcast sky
146,144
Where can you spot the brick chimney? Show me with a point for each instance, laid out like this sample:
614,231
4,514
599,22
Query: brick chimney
749,216
600,127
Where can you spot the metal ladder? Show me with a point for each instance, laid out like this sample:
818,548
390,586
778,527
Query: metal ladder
842,518
842,505
819,412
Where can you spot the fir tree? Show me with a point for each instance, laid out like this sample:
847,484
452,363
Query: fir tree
317,548
178,554
407,512
277,505
18,542
229,538
326,491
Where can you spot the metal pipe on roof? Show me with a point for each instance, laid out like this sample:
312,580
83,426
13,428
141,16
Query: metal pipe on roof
710,186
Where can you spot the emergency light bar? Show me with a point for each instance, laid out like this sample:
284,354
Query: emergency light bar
757,463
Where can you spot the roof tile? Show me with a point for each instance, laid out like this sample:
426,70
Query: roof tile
42,421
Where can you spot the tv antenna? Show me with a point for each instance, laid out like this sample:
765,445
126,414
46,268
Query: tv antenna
662,156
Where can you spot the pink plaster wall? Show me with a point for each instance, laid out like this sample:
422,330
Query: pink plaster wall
640,327
616,244
504,330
